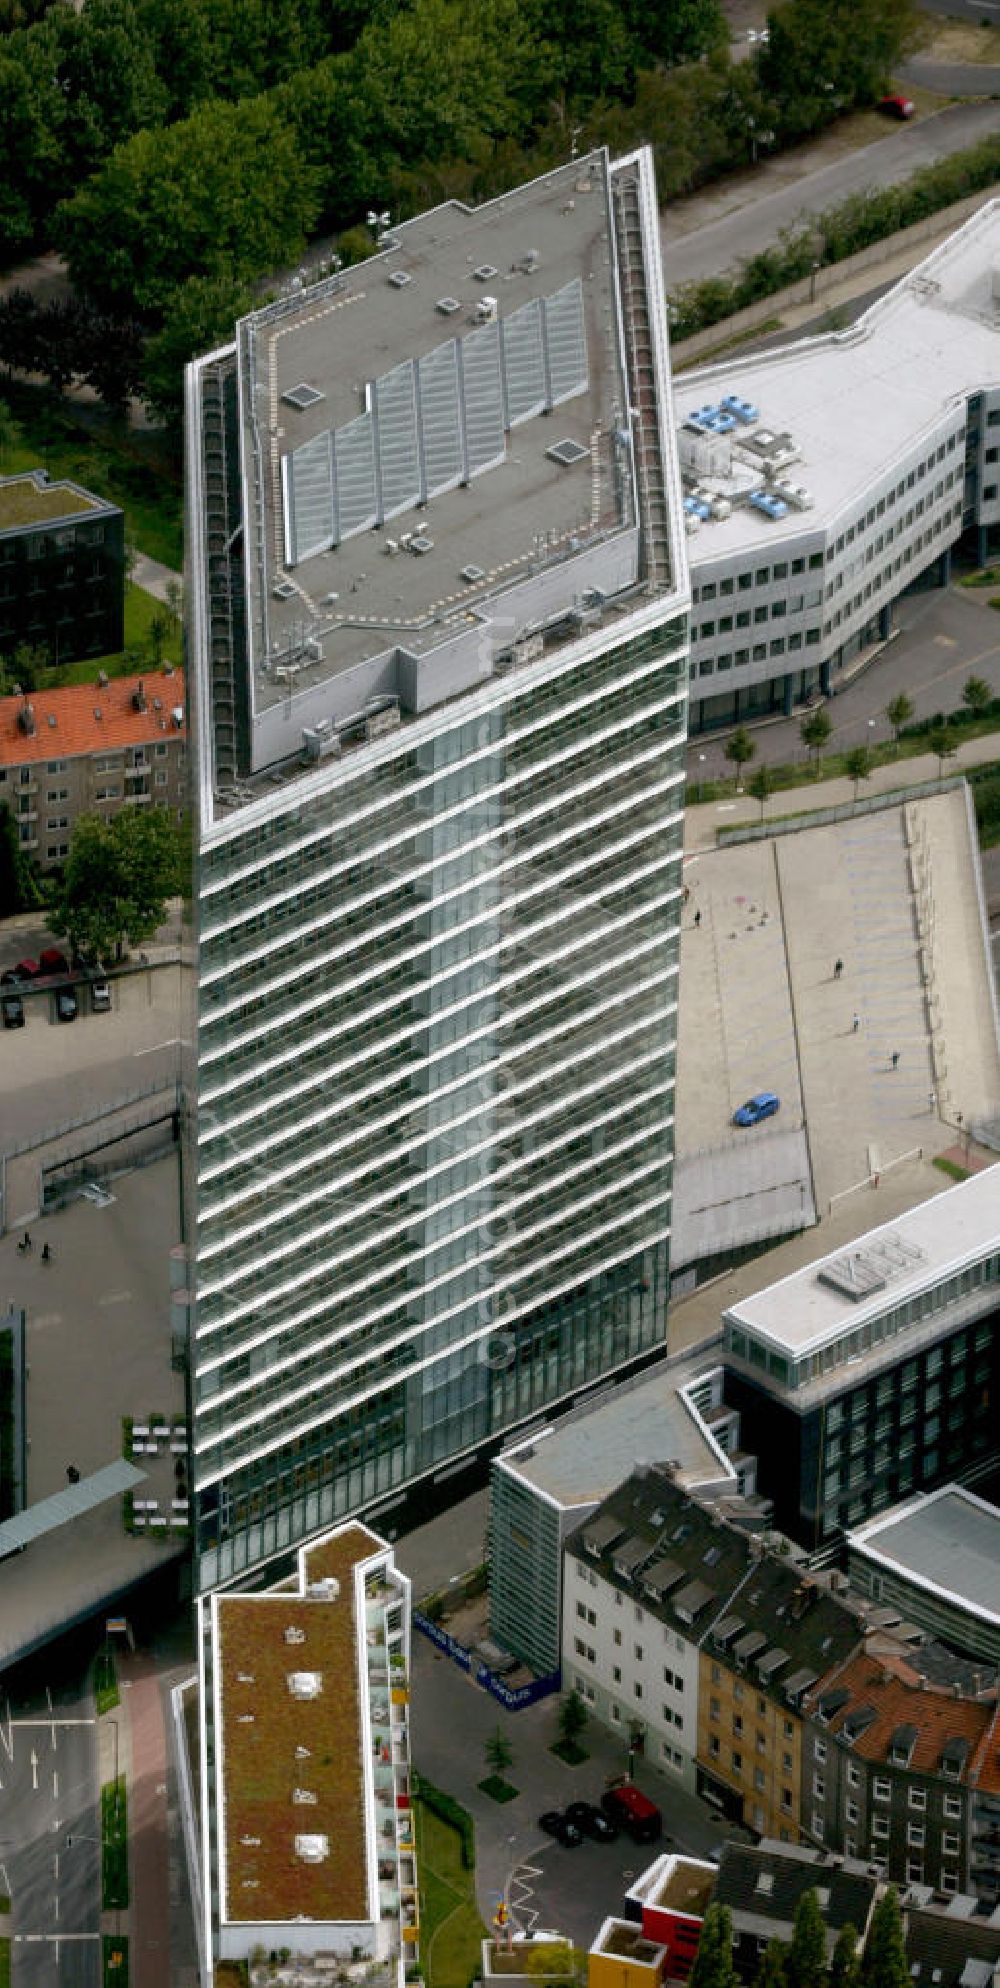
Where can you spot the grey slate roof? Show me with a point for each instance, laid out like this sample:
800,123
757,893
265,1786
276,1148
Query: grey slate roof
764,1882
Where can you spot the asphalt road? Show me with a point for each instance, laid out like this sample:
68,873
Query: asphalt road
49,1831
743,231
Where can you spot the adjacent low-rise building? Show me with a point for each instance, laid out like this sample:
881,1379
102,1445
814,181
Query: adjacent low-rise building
91,749
62,569
762,1884
937,1557
905,1773
872,1373
684,1635
307,1832
827,478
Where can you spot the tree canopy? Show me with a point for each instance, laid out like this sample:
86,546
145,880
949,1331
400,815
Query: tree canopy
118,877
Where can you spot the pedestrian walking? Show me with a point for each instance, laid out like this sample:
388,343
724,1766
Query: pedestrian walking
838,969
856,1024
895,1059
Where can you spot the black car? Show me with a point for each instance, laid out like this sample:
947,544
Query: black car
592,1821
565,1832
66,1004
12,1009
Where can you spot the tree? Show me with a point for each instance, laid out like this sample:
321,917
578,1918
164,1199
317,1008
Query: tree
884,1964
772,1971
941,742
572,1718
740,749
499,1752
806,1963
814,732
976,696
858,766
899,711
845,1966
713,1962
762,785
118,877
18,889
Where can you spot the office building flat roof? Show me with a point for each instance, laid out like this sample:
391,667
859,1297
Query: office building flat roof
857,401
289,1754
917,1251
428,427
947,1542
593,1449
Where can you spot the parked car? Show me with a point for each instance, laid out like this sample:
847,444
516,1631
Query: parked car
762,1105
52,961
592,1821
633,1811
67,1006
896,106
100,996
556,1824
12,1010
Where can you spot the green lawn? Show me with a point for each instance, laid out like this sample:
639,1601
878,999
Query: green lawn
114,1846
133,470
138,653
114,1953
105,1679
450,1927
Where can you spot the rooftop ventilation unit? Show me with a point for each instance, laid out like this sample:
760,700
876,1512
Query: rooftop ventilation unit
485,273
326,1589
321,741
472,575
283,590
400,278
567,452
302,396
305,1683
312,1849
447,306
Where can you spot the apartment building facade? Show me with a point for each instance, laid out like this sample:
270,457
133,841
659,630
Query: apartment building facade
439,654
307,1839
91,749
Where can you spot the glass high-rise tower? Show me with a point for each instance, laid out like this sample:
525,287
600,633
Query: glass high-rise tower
438,666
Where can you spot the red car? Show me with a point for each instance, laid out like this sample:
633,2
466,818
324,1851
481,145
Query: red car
896,107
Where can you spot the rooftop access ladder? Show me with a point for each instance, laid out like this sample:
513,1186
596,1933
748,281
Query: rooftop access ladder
654,510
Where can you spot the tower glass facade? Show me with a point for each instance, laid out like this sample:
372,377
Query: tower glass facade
431,1088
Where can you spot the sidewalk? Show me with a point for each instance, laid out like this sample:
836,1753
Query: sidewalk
704,819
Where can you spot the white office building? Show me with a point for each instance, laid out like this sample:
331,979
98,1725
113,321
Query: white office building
438,671
824,479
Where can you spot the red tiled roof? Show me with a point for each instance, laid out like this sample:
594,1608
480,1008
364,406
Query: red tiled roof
78,730
898,1696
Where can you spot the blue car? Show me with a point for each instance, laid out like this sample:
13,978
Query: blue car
764,1105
